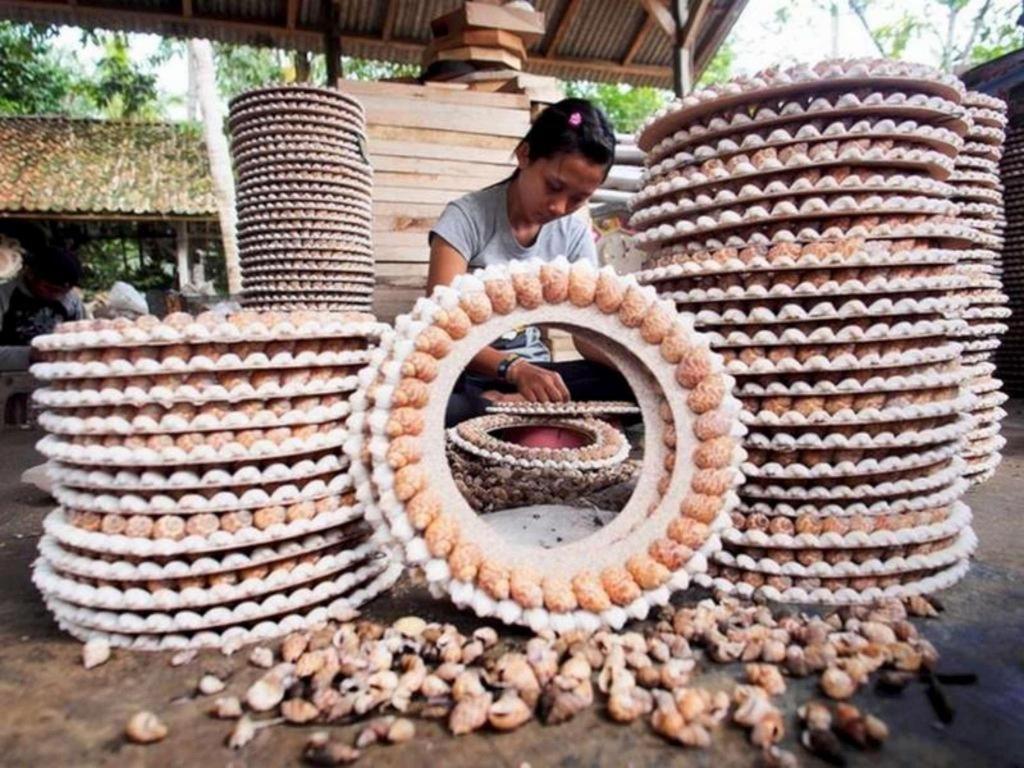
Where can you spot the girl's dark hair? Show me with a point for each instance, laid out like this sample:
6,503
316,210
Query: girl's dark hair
572,126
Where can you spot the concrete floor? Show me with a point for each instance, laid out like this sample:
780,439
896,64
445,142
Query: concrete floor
55,713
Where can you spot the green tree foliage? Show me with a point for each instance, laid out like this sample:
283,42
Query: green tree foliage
37,78
719,69
626,106
34,78
120,87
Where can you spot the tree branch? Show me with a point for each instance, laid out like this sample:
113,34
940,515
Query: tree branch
858,10
979,19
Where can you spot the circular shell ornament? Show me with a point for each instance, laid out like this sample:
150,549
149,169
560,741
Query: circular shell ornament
618,573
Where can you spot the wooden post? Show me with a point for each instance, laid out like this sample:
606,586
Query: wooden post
181,251
682,67
332,42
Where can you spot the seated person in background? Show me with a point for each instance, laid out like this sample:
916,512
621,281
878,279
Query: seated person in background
560,162
40,297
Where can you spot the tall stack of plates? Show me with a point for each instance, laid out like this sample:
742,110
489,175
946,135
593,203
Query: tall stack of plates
1011,353
803,217
304,189
979,192
196,462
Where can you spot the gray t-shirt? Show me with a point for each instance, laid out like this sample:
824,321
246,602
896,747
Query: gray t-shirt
477,226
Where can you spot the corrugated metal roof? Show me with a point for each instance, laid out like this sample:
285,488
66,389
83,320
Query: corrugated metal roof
597,30
595,42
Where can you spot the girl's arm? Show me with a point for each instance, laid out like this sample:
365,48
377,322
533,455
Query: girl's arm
534,383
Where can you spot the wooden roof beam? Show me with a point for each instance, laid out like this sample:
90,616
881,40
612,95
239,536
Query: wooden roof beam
562,28
638,40
698,10
657,10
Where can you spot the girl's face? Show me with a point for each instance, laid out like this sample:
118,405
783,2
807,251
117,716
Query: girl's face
552,187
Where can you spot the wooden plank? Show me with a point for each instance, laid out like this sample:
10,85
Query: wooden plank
407,210
361,88
400,240
491,121
394,139
401,273
439,181
403,253
480,54
421,225
528,24
485,171
497,38
413,195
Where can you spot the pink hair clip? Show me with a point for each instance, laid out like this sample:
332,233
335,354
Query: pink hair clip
575,119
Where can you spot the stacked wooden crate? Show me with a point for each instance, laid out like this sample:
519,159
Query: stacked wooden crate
485,35
428,147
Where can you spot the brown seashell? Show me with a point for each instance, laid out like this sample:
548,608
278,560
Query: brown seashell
558,594
470,714
528,288
555,280
609,291
590,593
619,585
442,535
493,579
145,728
694,366
582,284
836,684
423,508
509,712
298,711
815,715
501,294
464,560
420,365
766,676
455,322
525,588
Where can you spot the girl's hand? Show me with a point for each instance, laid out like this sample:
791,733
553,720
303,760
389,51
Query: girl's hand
536,384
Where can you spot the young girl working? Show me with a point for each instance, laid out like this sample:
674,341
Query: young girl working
561,161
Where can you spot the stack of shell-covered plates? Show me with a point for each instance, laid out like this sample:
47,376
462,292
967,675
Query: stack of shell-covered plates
803,217
979,193
196,464
494,471
304,188
1010,356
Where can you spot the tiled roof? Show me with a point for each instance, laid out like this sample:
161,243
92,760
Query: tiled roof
59,165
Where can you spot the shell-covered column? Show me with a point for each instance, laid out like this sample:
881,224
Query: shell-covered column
684,493
978,191
203,499
304,199
803,218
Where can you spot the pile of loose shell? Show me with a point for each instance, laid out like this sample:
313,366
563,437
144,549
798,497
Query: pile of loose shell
494,473
685,486
195,461
978,191
304,199
803,218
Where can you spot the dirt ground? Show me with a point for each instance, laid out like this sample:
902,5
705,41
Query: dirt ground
55,713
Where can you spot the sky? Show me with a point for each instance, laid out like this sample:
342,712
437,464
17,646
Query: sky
757,40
